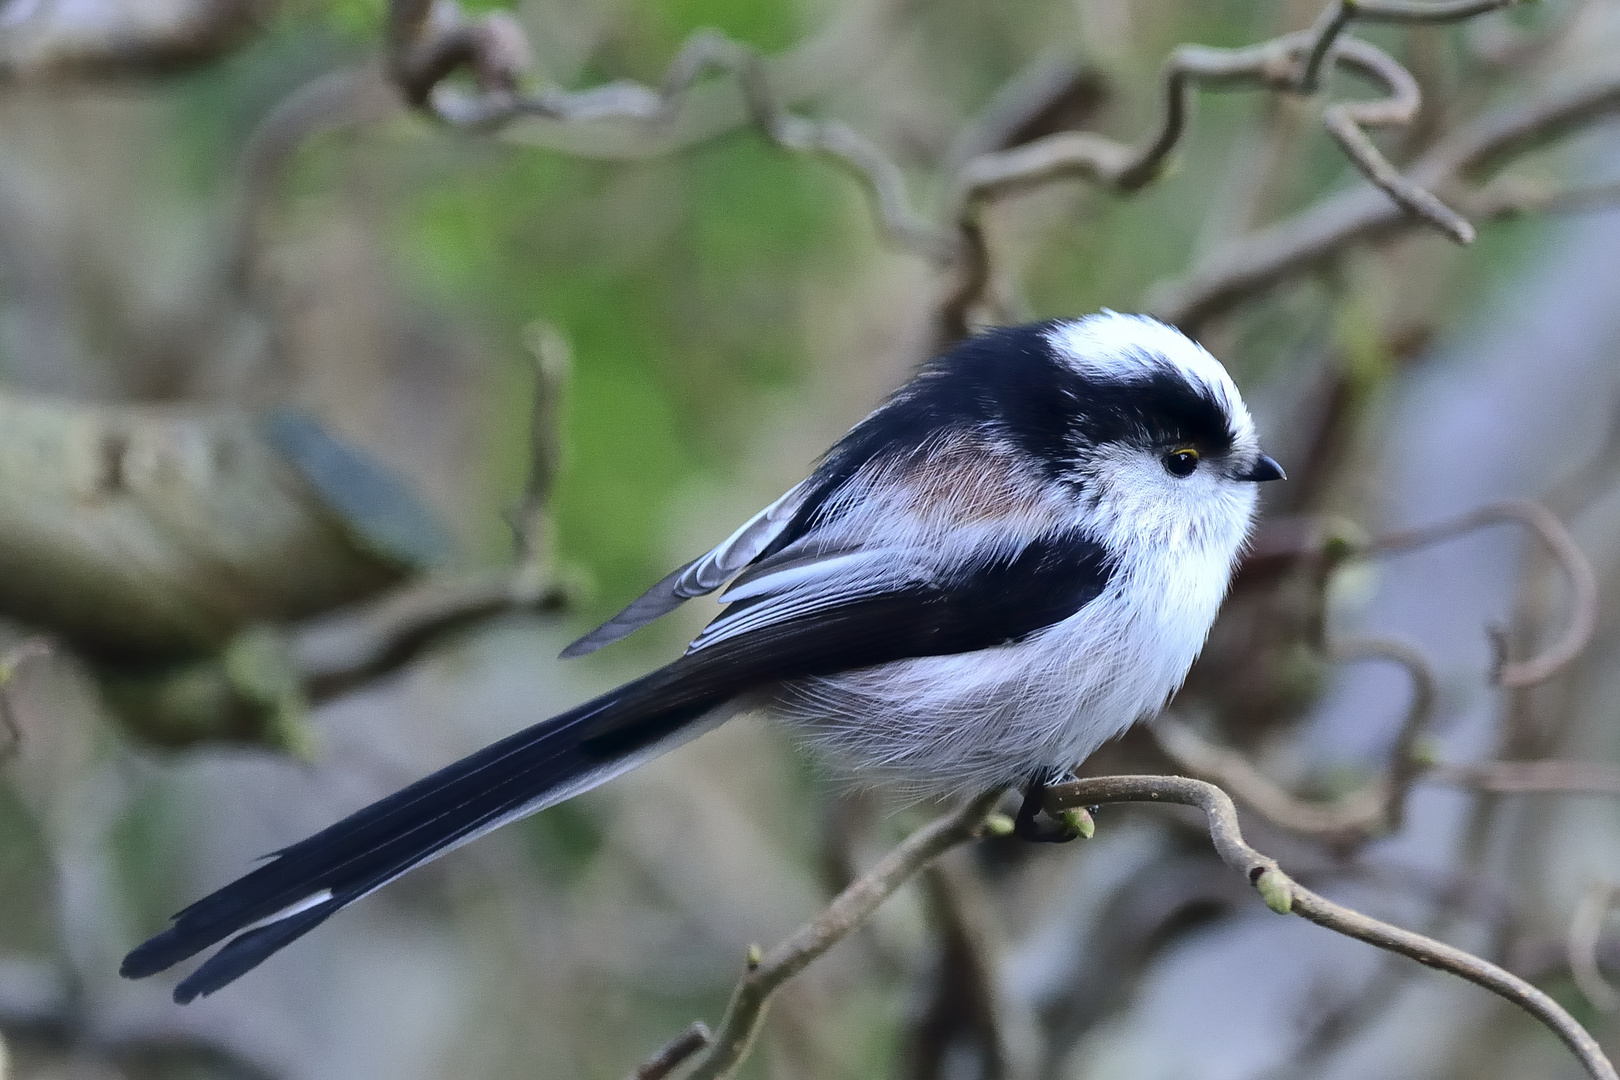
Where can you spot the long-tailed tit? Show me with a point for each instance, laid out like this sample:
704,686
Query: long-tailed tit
1012,560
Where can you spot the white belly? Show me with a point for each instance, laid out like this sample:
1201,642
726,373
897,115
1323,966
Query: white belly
998,716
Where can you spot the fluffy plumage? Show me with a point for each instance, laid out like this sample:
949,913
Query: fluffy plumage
1014,558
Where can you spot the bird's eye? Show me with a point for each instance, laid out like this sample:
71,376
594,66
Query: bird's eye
1181,462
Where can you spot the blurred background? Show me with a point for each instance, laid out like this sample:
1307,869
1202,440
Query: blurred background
325,424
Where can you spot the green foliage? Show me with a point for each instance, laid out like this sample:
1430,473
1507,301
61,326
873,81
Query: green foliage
563,840
771,27
676,285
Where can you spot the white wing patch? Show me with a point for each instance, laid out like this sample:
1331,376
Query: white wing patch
792,584
698,577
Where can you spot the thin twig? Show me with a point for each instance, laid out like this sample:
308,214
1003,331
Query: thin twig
1316,235
764,975
704,52
1585,929
337,653
674,1053
1284,895
1346,120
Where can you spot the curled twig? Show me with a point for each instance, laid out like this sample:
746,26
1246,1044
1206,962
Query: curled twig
335,99
1286,896
1560,544
1337,17
430,39
1346,120
1584,931
765,974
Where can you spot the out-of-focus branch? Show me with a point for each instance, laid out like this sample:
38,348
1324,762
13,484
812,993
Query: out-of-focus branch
335,99
1292,541
429,40
532,520
1380,806
49,41
766,973
674,1053
154,533
1585,929
1512,197
1281,65
1320,233
1375,809
1286,896
1560,544
334,655
1545,777
11,737
968,1014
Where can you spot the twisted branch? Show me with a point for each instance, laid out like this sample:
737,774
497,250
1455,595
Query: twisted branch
1284,895
431,39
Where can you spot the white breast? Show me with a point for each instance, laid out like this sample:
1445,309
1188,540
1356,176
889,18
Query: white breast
998,716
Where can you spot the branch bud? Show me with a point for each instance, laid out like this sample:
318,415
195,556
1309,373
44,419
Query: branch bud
997,825
1079,822
1276,890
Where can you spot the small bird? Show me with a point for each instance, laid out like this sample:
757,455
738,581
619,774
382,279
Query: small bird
1014,558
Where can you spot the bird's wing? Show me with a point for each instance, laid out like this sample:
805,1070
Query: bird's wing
860,611
701,576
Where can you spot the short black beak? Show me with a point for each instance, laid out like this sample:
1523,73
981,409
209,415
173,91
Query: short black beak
1265,469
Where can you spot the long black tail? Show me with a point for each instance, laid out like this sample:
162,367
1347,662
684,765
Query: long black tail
304,885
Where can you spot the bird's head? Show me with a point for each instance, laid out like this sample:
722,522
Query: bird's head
1155,439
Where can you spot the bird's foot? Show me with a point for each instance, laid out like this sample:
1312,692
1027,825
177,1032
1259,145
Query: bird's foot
1033,824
